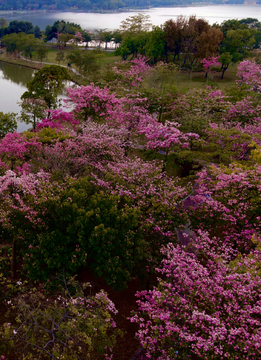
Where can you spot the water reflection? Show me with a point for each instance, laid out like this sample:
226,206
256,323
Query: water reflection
13,80
19,75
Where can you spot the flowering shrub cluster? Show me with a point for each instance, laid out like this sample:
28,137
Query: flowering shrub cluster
77,192
201,306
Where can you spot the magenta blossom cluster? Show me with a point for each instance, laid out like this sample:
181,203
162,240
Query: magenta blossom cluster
201,306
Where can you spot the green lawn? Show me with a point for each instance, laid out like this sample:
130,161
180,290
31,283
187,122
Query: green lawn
180,79
198,80
105,58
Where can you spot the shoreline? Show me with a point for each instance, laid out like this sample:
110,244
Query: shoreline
17,63
101,11
36,66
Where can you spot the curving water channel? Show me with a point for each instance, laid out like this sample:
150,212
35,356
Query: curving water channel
13,80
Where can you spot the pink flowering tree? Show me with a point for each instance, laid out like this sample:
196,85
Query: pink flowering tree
91,145
226,203
91,102
249,73
129,74
201,307
17,149
17,196
166,138
209,63
197,108
58,119
78,37
242,112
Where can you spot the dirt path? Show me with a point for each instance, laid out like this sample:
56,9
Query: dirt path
42,62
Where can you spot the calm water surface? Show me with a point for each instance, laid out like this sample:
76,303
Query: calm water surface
13,79
111,21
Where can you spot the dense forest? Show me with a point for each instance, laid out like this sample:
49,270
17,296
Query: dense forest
94,5
139,183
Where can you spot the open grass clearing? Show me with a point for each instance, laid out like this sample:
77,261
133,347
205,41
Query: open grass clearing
180,79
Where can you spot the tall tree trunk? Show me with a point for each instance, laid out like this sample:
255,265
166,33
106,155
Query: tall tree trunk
223,71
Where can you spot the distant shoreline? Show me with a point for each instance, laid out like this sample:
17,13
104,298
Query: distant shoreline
101,11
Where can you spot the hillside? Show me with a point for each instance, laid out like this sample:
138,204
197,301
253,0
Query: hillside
94,5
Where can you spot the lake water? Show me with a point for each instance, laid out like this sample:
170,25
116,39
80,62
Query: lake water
13,80
111,21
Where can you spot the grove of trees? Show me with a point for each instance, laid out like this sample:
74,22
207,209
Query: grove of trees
185,41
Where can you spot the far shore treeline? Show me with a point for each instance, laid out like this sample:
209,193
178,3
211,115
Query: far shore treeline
94,5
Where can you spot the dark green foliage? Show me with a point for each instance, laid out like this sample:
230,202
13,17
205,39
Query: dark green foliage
16,27
60,27
69,324
8,123
47,84
5,255
85,61
83,227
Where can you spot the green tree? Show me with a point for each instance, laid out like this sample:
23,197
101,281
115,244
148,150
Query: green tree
238,43
106,36
29,45
68,327
85,61
41,50
61,27
60,56
32,109
135,34
48,33
133,45
3,23
235,46
156,46
117,37
14,43
232,24
225,59
37,32
47,83
8,123
93,228
21,42
64,38
135,24
16,26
